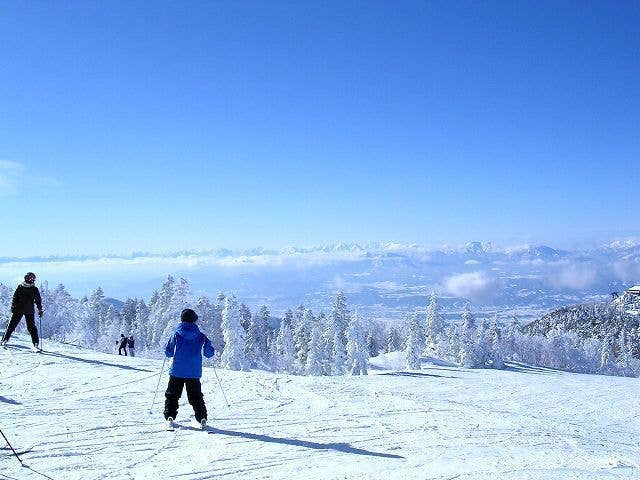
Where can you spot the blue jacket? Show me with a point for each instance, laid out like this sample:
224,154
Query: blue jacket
186,349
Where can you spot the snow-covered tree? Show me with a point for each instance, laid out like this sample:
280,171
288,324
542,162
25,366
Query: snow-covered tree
179,299
285,348
357,351
338,358
97,310
245,316
302,338
434,328
494,356
415,343
159,312
468,355
233,356
128,316
140,324
373,349
625,355
510,339
394,342
62,311
256,339
340,317
316,358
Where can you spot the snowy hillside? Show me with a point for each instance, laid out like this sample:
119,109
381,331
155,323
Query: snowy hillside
76,414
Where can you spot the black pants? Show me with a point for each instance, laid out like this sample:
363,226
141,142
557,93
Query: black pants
194,395
122,347
31,326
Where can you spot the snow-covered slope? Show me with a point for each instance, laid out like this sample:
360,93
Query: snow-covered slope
78,414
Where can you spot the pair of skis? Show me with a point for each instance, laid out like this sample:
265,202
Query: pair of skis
33,349
171,425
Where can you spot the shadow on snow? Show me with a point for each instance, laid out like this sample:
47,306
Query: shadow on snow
524,368
10,401
416,374
339,447
95,362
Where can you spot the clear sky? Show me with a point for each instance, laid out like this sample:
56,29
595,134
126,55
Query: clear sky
161,126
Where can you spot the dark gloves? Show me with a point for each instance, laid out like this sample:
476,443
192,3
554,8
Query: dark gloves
40,312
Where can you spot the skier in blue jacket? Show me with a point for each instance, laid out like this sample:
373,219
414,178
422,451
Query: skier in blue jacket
186,346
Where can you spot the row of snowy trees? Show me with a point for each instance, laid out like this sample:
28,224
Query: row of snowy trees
490,344
307,343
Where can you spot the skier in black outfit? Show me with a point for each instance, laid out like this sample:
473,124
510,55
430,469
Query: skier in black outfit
123,345
25,296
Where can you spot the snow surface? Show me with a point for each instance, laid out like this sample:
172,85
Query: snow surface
79,414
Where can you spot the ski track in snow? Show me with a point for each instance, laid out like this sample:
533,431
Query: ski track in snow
78,414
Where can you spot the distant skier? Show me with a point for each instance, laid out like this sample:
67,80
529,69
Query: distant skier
24,297
186,347
123,345
131,343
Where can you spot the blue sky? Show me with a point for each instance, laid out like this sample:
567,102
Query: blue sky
164,126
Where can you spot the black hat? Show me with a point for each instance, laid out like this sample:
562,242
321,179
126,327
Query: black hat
30,277
188,315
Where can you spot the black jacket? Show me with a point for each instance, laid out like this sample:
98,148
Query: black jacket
24,297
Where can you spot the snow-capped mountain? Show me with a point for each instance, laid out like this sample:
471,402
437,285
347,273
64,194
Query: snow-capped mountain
385,280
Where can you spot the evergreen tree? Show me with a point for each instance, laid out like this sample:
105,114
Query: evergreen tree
97,309
245,316
265,333
373,349
340,318
140,324
160,312
607,357
510,339
394,343
285,353
255,340
216,337
315,359
415,343
233,356
288,318
357,353
625,355
494,341
204,309
338,355
128,316
302,338
468,341
178,300
434,328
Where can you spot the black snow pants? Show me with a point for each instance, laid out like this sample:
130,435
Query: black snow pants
31,326
121,349
194,395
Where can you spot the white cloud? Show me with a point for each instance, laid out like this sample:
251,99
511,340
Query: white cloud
627,270
476,286
10,172
14,175
574,277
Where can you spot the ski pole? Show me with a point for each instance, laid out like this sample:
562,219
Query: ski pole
157,386
41,332
6,329
220,384
11,447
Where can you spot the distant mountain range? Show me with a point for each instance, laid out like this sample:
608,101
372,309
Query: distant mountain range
383,280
